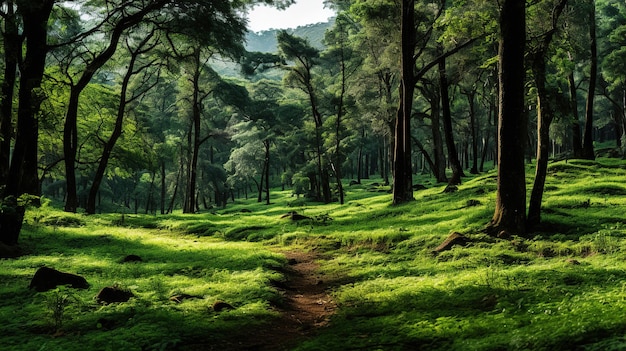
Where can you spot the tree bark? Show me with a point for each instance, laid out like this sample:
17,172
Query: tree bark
577,148
510,211
12,46
23,176
403,176
588,150
453,156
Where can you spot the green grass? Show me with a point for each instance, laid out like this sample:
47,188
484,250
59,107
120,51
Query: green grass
563,287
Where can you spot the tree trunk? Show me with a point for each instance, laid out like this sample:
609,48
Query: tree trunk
115,134
510,212
453,156
474,131
588,150
403,176
439,169
577,148
545,116
12,48
23,173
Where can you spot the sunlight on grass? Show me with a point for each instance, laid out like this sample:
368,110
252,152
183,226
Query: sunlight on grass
562,287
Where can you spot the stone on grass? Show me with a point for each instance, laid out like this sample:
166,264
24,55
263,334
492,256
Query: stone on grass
132,258
48,278
113,294
220,306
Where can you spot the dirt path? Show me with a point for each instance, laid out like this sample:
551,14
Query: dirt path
307,307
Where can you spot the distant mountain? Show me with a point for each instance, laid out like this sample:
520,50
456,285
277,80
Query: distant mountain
265,41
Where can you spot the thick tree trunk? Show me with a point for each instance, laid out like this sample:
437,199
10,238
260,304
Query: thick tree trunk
403,176
23,173
588,150
439,169
12,46
510,212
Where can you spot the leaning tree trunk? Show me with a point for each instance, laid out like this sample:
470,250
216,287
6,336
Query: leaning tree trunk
510,212
545,116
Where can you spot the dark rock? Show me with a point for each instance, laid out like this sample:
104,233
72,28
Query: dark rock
132,258
453,239
354,182
47,279
295,216
245,210
472,203
573,262
112,294
220,306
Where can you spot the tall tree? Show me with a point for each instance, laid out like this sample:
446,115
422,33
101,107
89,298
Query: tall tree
545,109
23,176
301,75
402,168
108,145
12,45
510,212
588,150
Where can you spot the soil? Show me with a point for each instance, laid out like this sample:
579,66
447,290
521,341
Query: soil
306,308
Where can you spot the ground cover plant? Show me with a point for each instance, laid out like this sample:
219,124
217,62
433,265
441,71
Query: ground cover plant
561,288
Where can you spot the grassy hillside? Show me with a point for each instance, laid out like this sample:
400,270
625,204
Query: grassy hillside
562,288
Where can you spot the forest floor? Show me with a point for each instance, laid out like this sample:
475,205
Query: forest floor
306,308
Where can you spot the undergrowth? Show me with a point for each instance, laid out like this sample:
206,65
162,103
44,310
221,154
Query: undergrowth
561,287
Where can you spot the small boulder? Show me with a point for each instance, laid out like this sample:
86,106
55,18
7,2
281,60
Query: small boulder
132,258
220,306
453,239
112,294
47,279
295,216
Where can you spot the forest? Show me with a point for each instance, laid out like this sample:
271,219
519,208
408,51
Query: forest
412,175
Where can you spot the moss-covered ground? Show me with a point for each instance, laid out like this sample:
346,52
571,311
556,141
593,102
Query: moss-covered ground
561,287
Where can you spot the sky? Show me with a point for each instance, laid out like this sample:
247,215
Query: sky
301,13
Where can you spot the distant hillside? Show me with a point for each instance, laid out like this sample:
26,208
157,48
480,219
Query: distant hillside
265,41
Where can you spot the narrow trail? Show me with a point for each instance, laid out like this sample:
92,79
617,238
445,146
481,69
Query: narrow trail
306,307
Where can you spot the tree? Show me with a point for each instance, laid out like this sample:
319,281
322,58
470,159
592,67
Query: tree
12,45
141,48
300,75
23,176
545,109
588,150
510,211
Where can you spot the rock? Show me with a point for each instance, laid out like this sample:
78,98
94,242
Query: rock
112,294
220,306
132,258
354,182
295,216
246,210
453,239
47,279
